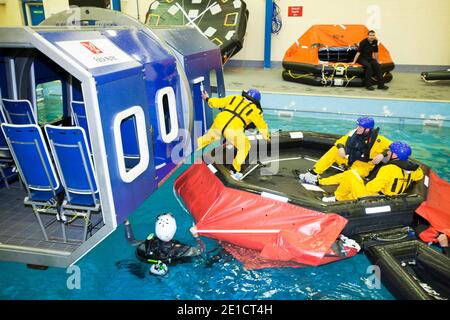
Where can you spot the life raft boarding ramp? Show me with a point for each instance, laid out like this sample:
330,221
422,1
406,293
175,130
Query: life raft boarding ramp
410,268
119,69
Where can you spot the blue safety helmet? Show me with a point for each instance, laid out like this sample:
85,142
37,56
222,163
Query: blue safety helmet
401,149
366,122
255,94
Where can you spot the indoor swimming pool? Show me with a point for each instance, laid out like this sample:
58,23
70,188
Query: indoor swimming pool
111,271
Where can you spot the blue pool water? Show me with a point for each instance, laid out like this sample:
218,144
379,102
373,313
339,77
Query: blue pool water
104,272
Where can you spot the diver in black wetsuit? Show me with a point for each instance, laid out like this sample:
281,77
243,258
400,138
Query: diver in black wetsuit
160,248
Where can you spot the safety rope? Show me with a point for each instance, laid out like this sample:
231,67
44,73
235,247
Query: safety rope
277,24
76,216
299,76
346,74
375,79
325,79
405,233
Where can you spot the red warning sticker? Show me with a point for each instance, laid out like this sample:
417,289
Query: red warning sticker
91,47
295,11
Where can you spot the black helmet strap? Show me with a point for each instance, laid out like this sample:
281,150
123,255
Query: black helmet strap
253,100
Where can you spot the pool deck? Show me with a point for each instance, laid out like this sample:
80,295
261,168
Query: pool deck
404,86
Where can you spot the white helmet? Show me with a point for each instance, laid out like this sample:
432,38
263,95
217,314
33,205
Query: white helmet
165,227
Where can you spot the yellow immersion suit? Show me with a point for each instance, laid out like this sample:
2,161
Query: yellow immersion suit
380,145
390,180
238,113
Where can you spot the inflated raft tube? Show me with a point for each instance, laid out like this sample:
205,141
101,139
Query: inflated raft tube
411,270
338,54
297,153
436,75
315,80
332,68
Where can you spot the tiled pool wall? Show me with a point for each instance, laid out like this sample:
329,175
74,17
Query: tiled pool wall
428,113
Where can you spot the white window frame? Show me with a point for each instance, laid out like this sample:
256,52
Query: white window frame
137,170
173,134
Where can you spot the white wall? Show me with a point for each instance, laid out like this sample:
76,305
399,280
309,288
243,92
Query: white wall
54,6
133,7
414,31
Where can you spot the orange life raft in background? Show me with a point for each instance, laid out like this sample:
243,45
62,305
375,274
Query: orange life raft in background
322,56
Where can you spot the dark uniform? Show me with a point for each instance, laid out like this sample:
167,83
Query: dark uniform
172,251
371,66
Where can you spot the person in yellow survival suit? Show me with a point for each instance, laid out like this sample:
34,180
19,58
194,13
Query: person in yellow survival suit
394,176
361,149
239,112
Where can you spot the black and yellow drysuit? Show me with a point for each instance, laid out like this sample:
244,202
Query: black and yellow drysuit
361,150
238,113
392,178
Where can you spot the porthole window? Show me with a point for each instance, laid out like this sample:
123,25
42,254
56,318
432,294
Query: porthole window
167,114
136,134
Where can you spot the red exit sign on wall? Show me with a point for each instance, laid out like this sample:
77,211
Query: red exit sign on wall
295,11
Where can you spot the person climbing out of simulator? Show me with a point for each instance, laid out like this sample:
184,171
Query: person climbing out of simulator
361,149
160,248
367,56
394,177
239,112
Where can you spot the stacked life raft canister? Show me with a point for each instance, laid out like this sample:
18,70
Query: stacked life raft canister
435,75
322,57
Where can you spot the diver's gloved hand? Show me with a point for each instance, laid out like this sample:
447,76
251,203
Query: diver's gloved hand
377,159
341,152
